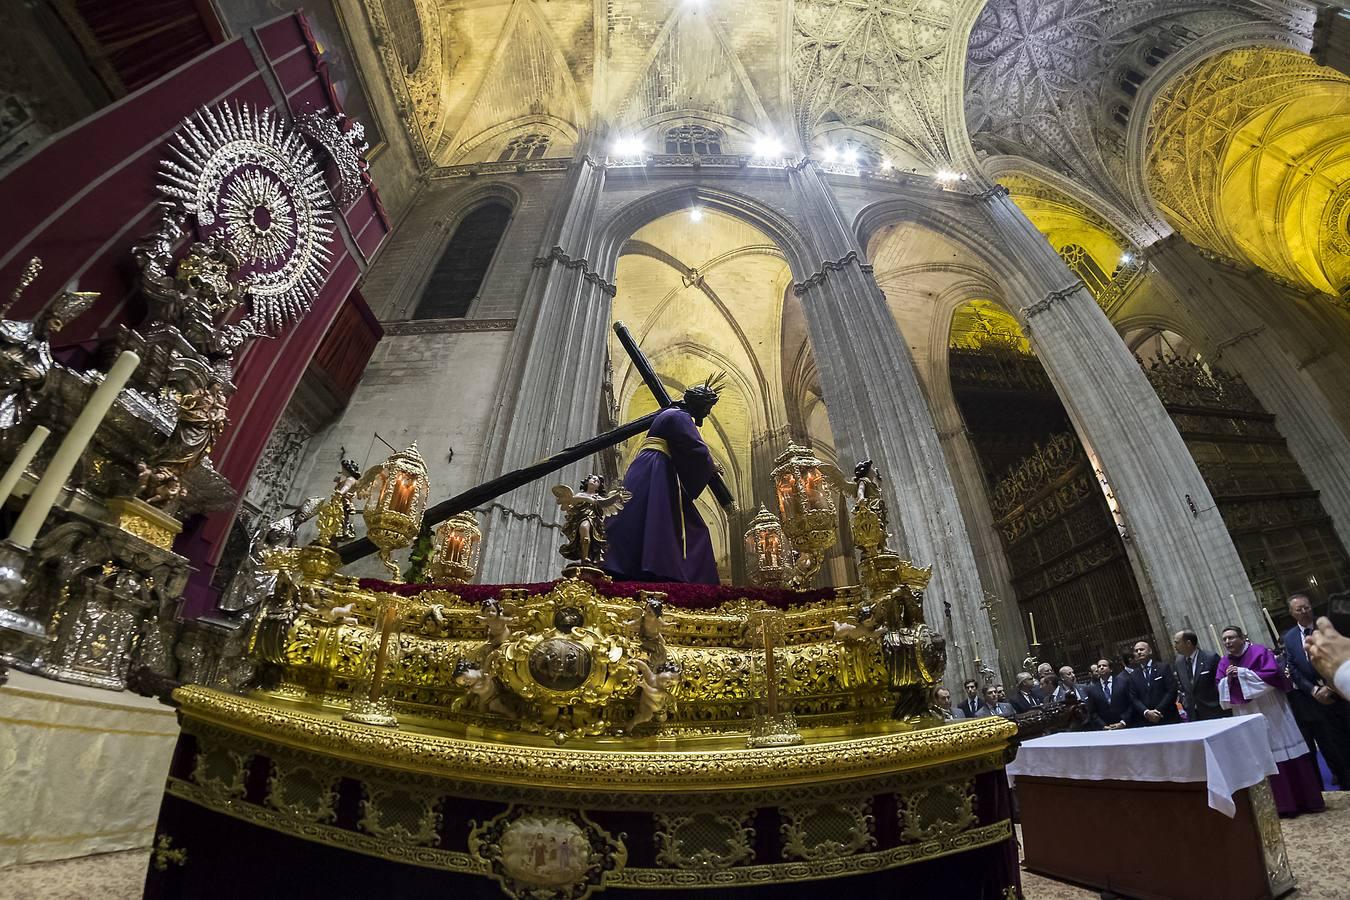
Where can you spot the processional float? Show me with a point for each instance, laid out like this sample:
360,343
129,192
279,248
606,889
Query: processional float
546,741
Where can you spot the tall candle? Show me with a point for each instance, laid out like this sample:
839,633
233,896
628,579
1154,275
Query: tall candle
1275,632
43,498
1031,616
1237,613
1218,645
21,460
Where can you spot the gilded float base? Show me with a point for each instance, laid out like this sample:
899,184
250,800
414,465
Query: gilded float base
878,810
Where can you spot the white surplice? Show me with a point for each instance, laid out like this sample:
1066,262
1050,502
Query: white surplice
1286,741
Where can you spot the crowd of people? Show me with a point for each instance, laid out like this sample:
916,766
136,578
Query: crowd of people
1300,688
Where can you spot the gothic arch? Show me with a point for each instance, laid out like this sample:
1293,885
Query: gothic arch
465,205
627,220
1251,35
494,136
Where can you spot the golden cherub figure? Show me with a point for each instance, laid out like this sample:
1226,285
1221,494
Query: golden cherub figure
587,507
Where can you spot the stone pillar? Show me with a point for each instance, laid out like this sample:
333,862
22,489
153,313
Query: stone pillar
1240,338
877,409
973,496
1177,535
550,397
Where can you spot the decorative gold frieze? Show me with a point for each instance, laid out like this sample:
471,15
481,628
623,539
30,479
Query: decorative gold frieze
139,518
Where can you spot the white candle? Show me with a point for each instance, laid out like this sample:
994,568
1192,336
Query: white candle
21,460
1237,613
1031,616
43,498
1218,646
1275,632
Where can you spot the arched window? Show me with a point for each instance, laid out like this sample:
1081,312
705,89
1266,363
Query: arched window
525,146
459,273
1085,267
407,30
694,139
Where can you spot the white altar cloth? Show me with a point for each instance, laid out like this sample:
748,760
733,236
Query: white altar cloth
1227,754
81,769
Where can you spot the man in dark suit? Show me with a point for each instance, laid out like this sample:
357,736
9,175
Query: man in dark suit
1027,695
972,702
1070,691
1323,715
1153,688
1110,697
1195,673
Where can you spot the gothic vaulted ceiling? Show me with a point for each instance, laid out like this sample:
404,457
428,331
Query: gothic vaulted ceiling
1055,98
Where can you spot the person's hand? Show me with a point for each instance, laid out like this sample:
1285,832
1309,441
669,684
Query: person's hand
1152,715
1324,695
1115,726
1327,648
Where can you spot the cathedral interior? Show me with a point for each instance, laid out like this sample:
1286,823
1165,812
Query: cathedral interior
1073,274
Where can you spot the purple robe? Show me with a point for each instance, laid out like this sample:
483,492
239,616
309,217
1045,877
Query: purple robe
1262,662
659,535
1297,785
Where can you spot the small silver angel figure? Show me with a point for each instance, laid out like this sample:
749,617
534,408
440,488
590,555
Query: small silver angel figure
864,628
655,688
867,489
587,508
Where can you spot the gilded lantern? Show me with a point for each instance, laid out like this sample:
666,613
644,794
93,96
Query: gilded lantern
454,550
396,498
766,546
808,505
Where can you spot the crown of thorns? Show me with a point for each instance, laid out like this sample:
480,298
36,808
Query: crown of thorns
708,389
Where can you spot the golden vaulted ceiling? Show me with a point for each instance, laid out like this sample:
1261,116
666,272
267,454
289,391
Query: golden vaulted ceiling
1086,109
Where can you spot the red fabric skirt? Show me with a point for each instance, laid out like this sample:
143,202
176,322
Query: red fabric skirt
1297,787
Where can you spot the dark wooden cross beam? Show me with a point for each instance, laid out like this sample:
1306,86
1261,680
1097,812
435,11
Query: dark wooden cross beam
490,490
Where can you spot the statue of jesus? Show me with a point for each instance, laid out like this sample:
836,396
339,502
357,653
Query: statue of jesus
659,535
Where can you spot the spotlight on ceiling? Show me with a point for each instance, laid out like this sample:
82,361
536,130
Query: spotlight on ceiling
1126,258
850,156
695,214
886,164
627,146
946,176
831,154
768,148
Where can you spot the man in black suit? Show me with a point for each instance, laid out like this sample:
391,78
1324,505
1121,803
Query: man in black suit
1195,673
1153,688
1110,697
1027,695
972,702
1323,715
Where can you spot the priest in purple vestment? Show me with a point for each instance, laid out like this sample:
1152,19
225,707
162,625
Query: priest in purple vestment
1250,682
659,535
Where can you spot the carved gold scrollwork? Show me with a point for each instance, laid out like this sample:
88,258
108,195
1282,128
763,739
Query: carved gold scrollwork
824,830
303,792
941,809
704,840
398,813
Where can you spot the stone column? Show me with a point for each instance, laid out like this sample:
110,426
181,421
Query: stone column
973,497
1178,537
877,409
550,397
1240,338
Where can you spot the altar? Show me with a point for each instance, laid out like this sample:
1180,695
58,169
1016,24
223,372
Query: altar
1189,808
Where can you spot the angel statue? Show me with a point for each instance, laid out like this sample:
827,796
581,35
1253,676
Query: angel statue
654,695
869,518
587,509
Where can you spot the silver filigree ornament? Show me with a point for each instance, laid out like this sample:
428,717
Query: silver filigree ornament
253,183
346,149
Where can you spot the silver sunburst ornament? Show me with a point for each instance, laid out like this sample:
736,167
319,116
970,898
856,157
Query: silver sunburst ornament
253,185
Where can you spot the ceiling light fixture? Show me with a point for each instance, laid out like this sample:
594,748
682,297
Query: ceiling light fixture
831,154
886,164
695,214
627,146
850,156
1126,258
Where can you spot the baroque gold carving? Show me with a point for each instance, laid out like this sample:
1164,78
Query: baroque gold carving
825,830
940,809
704,840
864,754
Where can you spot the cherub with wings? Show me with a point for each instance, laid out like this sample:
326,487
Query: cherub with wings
587,508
